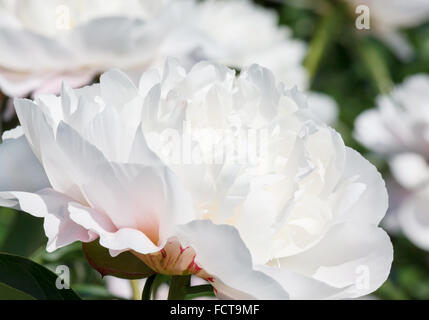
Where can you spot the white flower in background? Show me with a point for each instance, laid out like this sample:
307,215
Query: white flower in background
243,33
46,42
387,17
399,129
301,222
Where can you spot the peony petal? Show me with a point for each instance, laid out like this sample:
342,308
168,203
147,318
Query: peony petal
148,80
20,170
354,256
221,253
300,287
117,240
52,84
52,206
365,199
116,88
115,188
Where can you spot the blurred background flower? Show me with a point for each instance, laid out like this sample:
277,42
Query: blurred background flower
398,129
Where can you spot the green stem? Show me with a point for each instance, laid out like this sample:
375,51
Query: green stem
178,287
205,290
200,289
148,287
320,41
136,289
376,66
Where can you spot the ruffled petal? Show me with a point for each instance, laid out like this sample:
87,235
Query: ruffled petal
53,207
353,256
222,254
301,287
365,198
117,240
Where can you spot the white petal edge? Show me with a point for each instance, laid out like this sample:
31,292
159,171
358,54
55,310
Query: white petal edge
52,206
20,170
221,252
348,253
370,199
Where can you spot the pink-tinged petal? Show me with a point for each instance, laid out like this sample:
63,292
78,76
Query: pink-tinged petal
352,256
16,84
53,207
152,197
20,170
221,253
414,219
365,199
117,240
114,188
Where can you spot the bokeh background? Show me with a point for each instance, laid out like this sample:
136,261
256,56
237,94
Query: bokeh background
352,66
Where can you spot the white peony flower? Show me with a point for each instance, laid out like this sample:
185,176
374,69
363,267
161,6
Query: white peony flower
46,42
399,129
298,220
388,16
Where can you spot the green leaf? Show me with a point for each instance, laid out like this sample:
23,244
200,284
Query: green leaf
9,293
6,219
25,235
23,278
125,265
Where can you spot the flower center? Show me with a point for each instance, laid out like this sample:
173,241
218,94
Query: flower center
173,259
